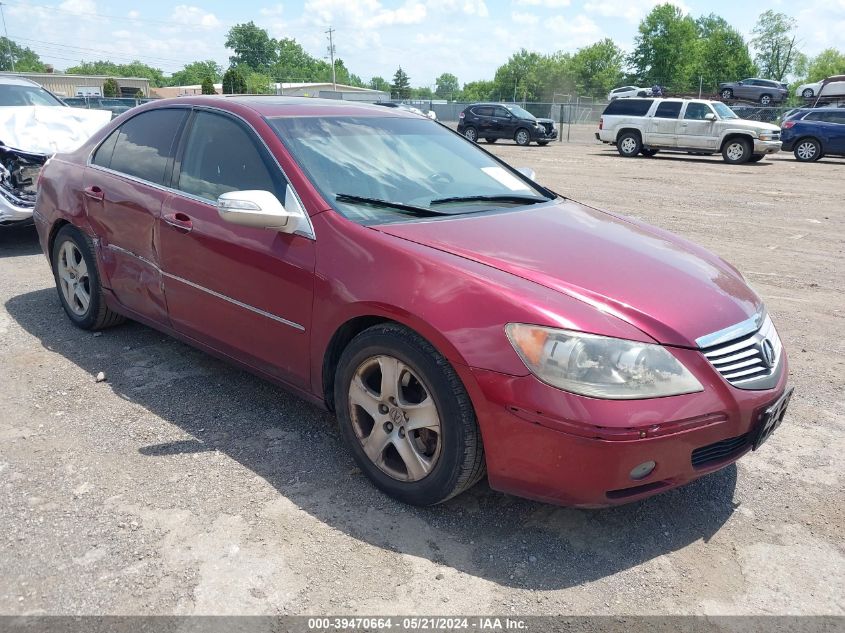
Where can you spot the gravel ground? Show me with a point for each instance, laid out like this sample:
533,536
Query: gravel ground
183,486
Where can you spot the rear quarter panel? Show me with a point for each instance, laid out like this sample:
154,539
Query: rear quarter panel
59,198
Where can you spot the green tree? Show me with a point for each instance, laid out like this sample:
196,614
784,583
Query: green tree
401,86
446,86
25,59
827,63
775,43
477,91
423,92
133,69
597,68
207,86
252,46
195,72
234,82
518,78
293,63
379,83
721,54
111,88
664,50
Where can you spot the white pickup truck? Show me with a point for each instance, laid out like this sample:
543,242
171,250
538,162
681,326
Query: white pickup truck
646,126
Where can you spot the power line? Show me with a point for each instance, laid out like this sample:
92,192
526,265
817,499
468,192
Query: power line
101,51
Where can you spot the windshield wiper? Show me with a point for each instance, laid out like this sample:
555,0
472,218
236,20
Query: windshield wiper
421,212
503,198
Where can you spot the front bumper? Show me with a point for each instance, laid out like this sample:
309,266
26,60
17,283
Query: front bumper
553,446
13,210
766,147
542,134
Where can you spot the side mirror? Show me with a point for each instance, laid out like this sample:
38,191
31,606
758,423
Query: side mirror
262,210
528,173
709,117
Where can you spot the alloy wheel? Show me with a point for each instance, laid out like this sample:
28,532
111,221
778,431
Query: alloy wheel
73,278
395,418
806,150
736,151
765,100
629,145
807,94
471,134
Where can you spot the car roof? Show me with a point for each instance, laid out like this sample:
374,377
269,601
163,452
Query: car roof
281,106
7,80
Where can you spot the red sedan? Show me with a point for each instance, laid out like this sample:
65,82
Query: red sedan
457,316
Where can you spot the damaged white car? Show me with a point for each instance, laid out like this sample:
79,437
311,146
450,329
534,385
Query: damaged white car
34,125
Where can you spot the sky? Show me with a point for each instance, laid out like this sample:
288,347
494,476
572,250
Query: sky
469,38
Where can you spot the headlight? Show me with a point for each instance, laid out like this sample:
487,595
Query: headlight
765,137
600,366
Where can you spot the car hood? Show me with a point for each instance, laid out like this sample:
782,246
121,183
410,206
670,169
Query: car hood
669,288
542,120
747,124
49,129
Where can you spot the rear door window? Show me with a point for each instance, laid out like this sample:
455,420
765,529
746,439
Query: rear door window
145,145
483,111
629,107
668,110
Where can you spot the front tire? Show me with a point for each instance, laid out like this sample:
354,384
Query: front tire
78,281
491,140
406,417
756,158
522,137
472,134
737,151
629,144
807,150
542,143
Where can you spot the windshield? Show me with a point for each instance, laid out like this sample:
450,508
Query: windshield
520,112
723,111
412,162
11,95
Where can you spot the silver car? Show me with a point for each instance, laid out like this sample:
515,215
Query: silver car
764,91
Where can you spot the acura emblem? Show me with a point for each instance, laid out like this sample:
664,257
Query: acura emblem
767,350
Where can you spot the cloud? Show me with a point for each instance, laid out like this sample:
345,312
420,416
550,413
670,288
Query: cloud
632,10
529,19
193,16
134,14
549,4
363,14
821,24
78,6
578,31
468,7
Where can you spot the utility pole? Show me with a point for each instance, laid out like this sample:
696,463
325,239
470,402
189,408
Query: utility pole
330,32
8,41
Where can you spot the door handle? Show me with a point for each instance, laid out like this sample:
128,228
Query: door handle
94,192
179,221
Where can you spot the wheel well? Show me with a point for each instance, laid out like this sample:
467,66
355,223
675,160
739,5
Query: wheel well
630,129
52,239
340,339
731,137
808,137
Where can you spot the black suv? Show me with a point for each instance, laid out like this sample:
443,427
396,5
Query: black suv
492,121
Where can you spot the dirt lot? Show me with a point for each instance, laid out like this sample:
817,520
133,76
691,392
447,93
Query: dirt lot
181,485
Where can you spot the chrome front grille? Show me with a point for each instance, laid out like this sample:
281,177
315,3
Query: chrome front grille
746,356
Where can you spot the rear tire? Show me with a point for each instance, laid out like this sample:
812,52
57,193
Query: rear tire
765,100
448,447
542,143
471,134
629,144
756,158
78,281
808,93
737,151
807,150
648,153
727,93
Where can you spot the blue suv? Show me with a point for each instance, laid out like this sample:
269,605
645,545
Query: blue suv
811,134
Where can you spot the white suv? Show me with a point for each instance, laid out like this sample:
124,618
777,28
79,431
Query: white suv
645,126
